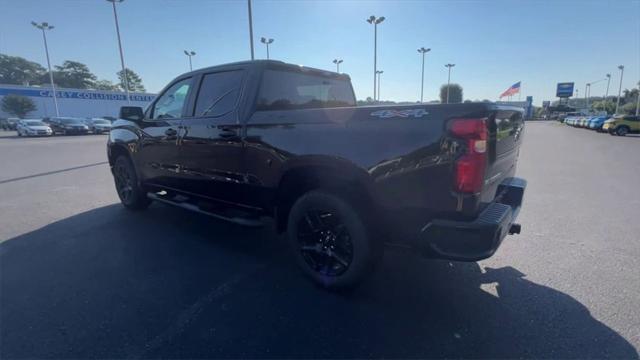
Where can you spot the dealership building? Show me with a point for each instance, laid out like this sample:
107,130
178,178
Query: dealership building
74,102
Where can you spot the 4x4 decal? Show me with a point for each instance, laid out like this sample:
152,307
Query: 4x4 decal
416,113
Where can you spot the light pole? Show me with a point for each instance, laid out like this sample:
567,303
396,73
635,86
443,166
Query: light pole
606,94
250,28
266,42
379,72
45,26
124,71
337,62
638,100
621,68
449,79
423,51
190,54
375,21
587,87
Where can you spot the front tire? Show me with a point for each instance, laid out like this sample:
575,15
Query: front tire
131,194
622,131
332,241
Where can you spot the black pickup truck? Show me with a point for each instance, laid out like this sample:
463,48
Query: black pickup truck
257,139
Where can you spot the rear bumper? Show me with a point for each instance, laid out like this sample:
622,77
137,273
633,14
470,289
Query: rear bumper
480,238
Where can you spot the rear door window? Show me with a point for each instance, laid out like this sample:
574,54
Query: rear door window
218,93
289,90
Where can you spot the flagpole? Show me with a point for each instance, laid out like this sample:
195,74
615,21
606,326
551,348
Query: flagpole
520,91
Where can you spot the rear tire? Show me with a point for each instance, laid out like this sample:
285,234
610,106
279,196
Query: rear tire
131,194
332,241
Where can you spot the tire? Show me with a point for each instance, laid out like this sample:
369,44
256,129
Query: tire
131,194
622,131
331,240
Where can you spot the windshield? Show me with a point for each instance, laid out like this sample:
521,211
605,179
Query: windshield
71,122
101,122
35,123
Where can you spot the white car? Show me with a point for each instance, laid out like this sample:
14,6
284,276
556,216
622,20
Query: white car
33,127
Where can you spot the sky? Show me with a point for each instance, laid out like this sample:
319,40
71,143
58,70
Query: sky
493,44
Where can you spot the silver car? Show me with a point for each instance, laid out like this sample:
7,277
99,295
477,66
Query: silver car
98,125
33,127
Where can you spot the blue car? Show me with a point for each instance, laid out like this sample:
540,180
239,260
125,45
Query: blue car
595,123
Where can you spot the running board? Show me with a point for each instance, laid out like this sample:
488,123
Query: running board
188,206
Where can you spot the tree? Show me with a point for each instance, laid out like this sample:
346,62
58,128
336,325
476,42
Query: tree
455,93
629,108
72,74
135,82
18,105
608,106
105,85
19,71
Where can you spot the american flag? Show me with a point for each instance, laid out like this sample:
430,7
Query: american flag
514,89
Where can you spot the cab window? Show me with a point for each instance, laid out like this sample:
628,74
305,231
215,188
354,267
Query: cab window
171,104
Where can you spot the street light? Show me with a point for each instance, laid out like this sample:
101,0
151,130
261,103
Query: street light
266,42
190,54
337,62
375,21
250,27
379,72
449,79
124,71
621,68
423,51
45,26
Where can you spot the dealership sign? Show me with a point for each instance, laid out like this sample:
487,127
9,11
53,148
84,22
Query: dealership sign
76,94
564,90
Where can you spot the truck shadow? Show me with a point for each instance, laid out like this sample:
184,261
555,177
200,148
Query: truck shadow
167,283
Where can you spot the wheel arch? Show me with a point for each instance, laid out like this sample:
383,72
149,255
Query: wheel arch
331,174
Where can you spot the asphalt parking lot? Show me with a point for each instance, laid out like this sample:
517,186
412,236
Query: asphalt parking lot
80,277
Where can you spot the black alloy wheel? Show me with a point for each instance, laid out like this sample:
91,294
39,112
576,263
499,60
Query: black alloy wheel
333,238
123,180
131,195
324,242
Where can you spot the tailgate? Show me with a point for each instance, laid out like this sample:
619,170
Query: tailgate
506,128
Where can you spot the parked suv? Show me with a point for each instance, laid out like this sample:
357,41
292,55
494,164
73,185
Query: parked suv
257,139
622,125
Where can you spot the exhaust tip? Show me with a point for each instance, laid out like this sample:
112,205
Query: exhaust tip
515,229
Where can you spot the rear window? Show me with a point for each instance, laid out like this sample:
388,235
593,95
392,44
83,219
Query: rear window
218,93
287,90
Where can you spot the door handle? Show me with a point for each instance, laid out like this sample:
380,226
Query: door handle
227,133
170,132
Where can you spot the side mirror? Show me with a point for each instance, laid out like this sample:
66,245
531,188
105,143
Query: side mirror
131,113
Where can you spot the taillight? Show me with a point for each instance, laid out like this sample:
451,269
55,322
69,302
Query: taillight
470,167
